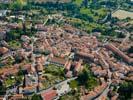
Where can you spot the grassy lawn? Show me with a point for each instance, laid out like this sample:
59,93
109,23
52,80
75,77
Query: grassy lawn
10,61
78,2
51,80
101,11
95,14
85,11
53,75
70,97
9,82
74,84
83,25
54,70
14,44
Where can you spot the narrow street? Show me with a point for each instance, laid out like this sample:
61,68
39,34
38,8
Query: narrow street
105,92
125,39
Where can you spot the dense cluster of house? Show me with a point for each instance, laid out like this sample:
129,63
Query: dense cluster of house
93,94
64,47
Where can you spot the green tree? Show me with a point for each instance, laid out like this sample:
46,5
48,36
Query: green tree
126,91
2,90
36,97
130,50
83,77
87,79
18,4
12,35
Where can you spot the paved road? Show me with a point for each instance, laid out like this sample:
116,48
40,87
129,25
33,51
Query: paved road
33,58
46,21
105,92
56,85
125,39
9,92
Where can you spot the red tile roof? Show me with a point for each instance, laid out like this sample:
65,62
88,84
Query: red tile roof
78,66
58,60
118,52
3,50
86,55
68,65
17,97
97,90
50,95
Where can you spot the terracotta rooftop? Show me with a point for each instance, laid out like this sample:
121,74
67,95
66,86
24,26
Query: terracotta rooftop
68,65
78,66
119,53
86,55
1,98
30,87
114,97
39,67
8,71
3,50
17,97
93,94
58,60
50,95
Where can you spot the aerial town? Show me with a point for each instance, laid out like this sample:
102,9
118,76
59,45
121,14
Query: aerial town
47,52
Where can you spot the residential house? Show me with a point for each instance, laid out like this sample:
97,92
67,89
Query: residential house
40,27
39,68
58,61
85,56
49,95
119,53
2,98
3,50
16,97
68,66
41,59
14,26
70,29
25,38
94,93
8,71
28,90
2,34
100,73
69,74
115,97
78,67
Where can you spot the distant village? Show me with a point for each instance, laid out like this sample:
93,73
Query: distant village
46,62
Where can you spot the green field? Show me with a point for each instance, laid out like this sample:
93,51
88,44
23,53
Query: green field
122,14
78,2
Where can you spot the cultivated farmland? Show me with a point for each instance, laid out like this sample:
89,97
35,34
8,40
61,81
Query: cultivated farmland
122,14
